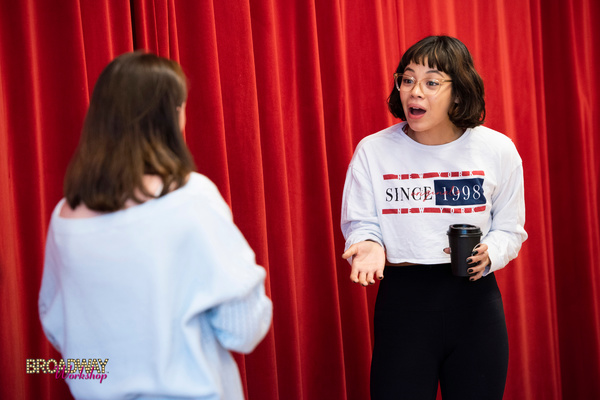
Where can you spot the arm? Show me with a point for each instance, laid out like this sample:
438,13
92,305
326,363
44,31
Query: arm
360,226
242,312
506,235
507,232
50,301
359,214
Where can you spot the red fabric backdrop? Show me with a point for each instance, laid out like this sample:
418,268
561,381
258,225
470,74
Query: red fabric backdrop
281,93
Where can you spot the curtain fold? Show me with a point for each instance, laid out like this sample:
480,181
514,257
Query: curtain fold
246,177
572,115
280,95
272,82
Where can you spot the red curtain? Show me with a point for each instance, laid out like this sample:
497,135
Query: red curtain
280,94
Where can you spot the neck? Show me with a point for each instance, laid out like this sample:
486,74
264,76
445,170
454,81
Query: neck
435,138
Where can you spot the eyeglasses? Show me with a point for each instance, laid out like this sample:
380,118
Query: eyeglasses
406,83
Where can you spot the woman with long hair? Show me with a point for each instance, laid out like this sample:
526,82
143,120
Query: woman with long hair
144,268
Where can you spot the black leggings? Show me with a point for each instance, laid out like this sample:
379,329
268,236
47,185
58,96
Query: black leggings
431,326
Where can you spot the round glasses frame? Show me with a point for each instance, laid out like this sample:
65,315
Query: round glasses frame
432,85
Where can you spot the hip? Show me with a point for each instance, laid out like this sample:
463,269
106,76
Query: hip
433,287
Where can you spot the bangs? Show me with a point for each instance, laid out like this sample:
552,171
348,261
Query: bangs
434,54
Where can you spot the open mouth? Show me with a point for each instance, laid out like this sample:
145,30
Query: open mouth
416,111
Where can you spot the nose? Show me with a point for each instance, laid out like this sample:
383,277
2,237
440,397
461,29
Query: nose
416,90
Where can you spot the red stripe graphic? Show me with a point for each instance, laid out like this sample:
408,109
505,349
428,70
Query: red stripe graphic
433,210
428,175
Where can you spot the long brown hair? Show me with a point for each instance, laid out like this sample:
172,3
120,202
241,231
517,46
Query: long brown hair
131,129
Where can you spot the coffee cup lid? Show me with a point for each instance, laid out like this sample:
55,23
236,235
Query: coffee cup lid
463,229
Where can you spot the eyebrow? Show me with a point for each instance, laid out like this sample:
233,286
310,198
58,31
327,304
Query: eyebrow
431,71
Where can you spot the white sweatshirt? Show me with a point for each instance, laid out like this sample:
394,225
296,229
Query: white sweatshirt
162,290
404,195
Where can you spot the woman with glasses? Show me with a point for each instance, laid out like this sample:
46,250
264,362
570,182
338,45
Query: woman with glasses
405,185
144,266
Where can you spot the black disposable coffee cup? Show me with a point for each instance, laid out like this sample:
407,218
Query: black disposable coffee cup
462,238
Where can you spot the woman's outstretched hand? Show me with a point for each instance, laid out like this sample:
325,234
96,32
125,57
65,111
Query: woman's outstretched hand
368,262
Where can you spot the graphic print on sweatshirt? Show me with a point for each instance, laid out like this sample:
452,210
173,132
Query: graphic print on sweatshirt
452,192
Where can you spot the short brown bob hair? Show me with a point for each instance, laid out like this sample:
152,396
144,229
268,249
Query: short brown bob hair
131,129
449,55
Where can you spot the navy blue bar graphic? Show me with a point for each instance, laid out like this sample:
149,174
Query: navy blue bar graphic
459,192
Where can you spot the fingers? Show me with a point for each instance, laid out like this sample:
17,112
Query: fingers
476,271
478,261
480,248
365,278
370,278
447,250
476,277
362,277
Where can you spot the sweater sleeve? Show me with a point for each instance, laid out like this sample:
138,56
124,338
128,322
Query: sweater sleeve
359,219
50,301
507,231
242,313
242,323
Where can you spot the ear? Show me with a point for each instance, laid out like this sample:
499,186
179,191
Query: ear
456,100
182,116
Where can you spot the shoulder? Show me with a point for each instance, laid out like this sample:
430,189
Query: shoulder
382,137
199,184
494,142
493,137
203,194
380,142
